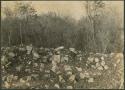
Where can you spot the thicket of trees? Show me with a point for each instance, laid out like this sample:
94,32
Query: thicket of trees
99,31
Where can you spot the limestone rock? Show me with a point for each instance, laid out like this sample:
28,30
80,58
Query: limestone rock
69,87
56,86
100,68
106,67
72,78
96,60
82,76
103,63
90,59
91,80
69,73
79,69
67,68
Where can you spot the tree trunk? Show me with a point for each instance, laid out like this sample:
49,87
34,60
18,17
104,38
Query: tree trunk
21,35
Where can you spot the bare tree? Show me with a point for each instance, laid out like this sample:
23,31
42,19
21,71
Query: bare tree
93,9
25,12
9,14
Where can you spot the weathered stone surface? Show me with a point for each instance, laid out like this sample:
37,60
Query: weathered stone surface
56,58
79,69
69,87
82,75
96,60
11,54
67,68
100,68
69,73
59,48
35,55
91,80
103,63
91,59
72,78
106,67
56,86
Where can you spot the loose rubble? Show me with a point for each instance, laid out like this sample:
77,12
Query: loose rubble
31,67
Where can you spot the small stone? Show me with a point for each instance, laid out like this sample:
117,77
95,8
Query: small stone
44,59
3,78
27,70
69,87
66,58
91,80
18,68
72,78
51,81
72,49
69,73
115,65
90,59
86,74
28,84
11,54
60,78
56,58
22,49
97,64
29,78
96,60
102,58
56,86
106,67
79,69
99,73
7,85
54,63
63,81
59,72
41,65
82,76
15,77
34,75
3,59
22,81
93,66
35,55
86,64
118,60
112,54
10,78
54,68
59,48
29,62
47,71
47,86
29,49
67,68
80,58
103,63
35,64
100,68
47,75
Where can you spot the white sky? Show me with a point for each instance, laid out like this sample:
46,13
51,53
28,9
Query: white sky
74,9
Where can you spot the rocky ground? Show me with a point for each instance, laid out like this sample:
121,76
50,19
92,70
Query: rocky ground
26,67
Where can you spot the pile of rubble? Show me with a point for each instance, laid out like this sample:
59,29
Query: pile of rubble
30,67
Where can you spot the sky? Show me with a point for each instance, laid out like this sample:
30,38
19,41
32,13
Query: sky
74,9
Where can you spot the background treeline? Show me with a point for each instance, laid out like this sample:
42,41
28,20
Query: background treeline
101,33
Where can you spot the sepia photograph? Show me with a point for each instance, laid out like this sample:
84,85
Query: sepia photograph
62,44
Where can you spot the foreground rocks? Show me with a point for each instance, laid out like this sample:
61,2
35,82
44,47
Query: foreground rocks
26,67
